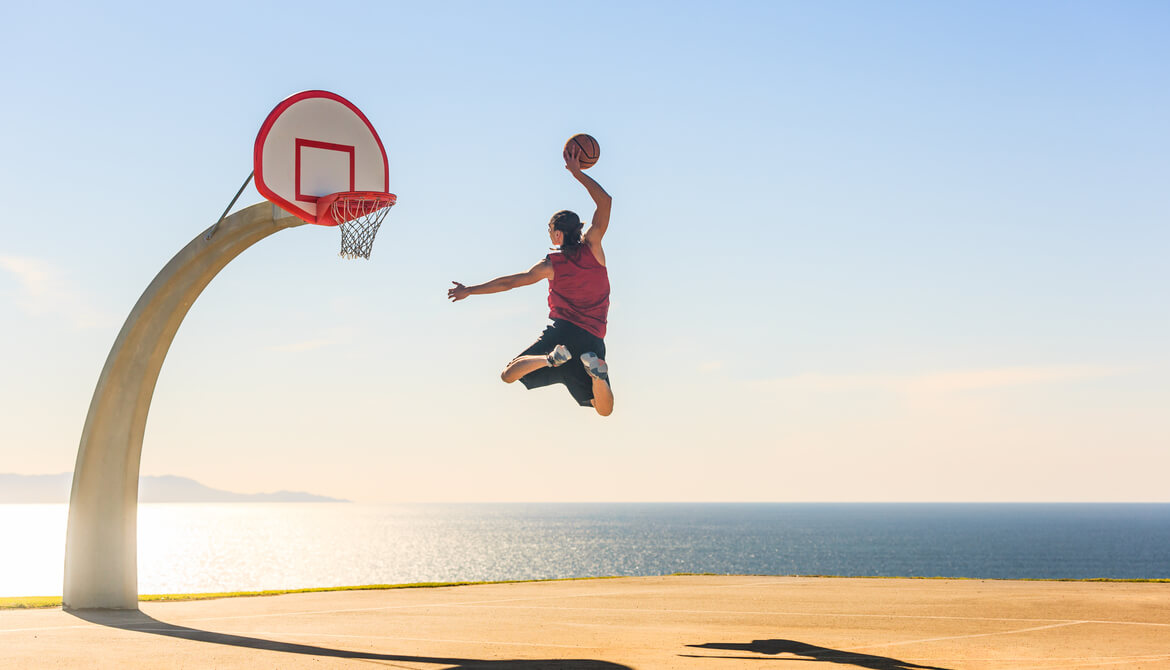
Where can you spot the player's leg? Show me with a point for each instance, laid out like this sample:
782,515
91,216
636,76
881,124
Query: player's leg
522,365
602,397
599,372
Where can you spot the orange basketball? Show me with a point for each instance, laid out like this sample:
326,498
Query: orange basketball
588,147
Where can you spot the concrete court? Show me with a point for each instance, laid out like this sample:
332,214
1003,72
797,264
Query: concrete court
702,622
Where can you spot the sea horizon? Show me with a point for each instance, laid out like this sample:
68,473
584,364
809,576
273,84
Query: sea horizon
225,547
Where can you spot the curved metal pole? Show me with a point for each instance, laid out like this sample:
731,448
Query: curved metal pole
101,556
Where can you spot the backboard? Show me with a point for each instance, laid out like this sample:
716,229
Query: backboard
314,144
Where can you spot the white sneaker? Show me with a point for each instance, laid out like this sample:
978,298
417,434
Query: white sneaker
595,366
559,356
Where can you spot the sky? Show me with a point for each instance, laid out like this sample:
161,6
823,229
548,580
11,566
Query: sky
860,252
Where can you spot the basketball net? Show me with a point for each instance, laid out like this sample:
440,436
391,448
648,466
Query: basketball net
359,215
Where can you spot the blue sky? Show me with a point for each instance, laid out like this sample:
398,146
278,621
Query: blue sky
860,251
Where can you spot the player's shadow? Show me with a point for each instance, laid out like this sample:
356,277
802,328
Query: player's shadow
137,621
808,652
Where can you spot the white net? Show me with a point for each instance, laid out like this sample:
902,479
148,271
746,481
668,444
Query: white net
360,218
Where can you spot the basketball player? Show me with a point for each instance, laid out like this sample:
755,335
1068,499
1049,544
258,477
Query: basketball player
571,351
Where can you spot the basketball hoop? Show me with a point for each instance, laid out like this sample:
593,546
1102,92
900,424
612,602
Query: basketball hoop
359,214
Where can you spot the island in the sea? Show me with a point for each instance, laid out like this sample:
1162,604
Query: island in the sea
47,489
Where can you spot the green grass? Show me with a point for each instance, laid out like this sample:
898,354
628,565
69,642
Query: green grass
35,602
957,579
29,602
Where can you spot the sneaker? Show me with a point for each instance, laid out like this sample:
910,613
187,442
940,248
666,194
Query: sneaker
595,366
559,356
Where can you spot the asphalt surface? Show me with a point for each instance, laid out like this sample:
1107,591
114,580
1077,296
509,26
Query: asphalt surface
703,622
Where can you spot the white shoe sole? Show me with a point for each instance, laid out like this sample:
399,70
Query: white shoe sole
555,359
595,366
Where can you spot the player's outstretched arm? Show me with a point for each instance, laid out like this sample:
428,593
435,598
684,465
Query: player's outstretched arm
600,222
542,270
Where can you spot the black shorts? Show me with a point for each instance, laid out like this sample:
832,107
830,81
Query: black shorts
572,373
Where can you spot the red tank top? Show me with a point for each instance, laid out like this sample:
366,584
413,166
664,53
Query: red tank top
579,290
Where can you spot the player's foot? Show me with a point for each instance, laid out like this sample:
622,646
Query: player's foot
558,356
595,366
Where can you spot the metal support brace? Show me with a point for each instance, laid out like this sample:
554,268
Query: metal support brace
211,231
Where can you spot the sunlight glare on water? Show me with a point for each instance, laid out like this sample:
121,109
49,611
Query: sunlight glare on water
32,553
186,548
200,548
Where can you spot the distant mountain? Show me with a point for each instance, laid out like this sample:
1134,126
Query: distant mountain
31,489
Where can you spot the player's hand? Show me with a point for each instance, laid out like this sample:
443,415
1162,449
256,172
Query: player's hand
458,293
572,156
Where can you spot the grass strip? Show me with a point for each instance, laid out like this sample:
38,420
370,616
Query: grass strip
37,602
955,579
29,602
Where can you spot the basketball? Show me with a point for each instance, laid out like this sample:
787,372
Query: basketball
589,149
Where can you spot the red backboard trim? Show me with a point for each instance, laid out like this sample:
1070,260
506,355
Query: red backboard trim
266,127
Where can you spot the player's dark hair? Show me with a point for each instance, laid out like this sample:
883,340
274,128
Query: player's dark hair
570,224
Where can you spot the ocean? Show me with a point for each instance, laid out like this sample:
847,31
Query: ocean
252,546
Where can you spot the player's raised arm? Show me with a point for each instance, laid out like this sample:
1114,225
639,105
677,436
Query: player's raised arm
600,222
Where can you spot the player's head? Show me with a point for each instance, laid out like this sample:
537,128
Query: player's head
564,229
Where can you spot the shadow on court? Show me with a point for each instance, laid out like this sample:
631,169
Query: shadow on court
137,621
809,652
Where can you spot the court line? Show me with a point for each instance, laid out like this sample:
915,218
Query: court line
1075,660
471,603
963,637
1088,662
44,628
812,614
360,609
290,634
